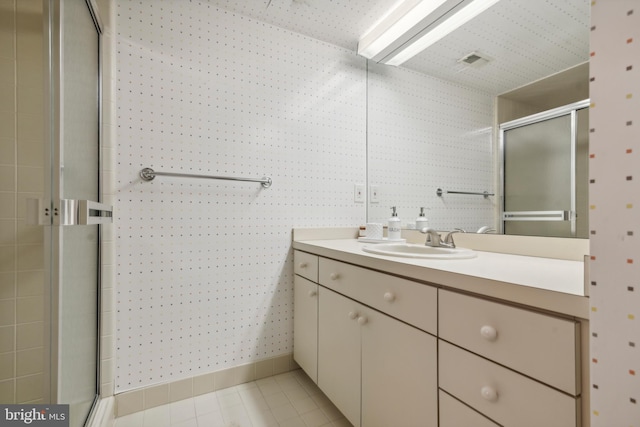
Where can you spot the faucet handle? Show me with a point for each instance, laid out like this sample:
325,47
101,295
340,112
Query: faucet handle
448,238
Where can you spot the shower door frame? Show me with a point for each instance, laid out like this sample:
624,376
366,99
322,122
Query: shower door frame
53,203
569,109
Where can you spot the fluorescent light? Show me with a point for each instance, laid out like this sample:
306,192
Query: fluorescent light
414,25
396,23
464,15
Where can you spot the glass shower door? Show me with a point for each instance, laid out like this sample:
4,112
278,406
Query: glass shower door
544,173
74,123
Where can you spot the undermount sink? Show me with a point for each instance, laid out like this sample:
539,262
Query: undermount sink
409,250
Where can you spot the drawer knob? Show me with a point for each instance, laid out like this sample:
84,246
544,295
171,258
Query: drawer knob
489,393
389,297
312,293
303,265
362,320
353,315
334,276
489,333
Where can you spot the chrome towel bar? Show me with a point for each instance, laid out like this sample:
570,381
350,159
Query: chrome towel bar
486,194
148,174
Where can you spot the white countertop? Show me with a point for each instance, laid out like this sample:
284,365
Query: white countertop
545,283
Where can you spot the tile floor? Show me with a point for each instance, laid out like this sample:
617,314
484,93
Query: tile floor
286,400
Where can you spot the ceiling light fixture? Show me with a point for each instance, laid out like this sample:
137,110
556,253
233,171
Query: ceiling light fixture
414,25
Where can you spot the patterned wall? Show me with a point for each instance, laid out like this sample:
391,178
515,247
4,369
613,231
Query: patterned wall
615,198
204,268
421,137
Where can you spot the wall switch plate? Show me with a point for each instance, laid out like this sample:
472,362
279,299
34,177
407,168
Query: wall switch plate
374,193
358,196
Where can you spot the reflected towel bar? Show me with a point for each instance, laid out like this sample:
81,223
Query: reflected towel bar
148,174
486,194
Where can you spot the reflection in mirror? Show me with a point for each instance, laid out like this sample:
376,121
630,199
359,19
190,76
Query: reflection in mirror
432,123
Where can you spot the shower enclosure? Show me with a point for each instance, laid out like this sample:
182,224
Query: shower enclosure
544,171
51,211
72,201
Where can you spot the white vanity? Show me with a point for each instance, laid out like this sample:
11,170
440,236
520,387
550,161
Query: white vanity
494,340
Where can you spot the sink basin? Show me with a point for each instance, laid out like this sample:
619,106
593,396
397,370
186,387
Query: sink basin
409,250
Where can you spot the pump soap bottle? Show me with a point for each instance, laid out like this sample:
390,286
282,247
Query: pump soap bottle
393,231
421,221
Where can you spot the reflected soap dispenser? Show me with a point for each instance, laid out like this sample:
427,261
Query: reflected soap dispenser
421,221
394,229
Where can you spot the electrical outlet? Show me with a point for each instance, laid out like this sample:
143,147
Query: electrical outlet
358,196
374,193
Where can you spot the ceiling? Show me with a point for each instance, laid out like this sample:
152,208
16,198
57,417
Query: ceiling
524,40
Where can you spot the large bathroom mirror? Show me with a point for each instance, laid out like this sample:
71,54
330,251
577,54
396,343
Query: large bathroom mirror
433,123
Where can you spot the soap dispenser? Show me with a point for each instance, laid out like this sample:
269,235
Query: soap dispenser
421,221
393,231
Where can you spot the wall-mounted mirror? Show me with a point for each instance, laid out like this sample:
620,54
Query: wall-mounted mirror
433,122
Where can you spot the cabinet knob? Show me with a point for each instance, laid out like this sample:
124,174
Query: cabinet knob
303,265
312,293
489,333
334,276
389,297
353,315
489,393
362,320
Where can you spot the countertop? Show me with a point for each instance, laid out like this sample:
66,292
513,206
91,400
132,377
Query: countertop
545,283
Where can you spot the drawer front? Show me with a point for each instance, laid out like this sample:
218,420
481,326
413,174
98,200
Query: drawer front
538,345
305,265
503,395
453,413
403,299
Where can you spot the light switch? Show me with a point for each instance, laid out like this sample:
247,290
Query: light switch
358,193
374,193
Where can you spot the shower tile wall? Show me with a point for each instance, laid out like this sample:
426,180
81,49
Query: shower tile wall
421,139
615,224
21,176
203,267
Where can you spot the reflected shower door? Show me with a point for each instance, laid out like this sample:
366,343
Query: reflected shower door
544,174
74,43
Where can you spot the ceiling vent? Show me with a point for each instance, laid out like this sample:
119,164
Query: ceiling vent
473,59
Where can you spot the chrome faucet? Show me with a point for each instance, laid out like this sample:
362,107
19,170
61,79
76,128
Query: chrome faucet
434,240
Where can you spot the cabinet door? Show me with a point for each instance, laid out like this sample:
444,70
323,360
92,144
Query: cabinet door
305,326
399,373
339,352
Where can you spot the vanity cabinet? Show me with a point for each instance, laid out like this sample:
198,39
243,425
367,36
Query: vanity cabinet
516,366
387,350
375,360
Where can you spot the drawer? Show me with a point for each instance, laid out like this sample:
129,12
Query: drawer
509,398
403,299
453,413
305,265
541,346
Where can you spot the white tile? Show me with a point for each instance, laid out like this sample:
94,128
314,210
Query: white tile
296,393
237,414
253,399
157,417
343,422
230,399
182,410
276,399
206,403
284,412
211,419
315,418
263,418
332,412
132,420
187,423
304,405
293,422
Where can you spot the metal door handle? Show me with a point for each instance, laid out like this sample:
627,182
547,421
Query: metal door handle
83,212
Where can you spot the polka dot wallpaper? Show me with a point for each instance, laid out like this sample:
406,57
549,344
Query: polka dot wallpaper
204,268
614,203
